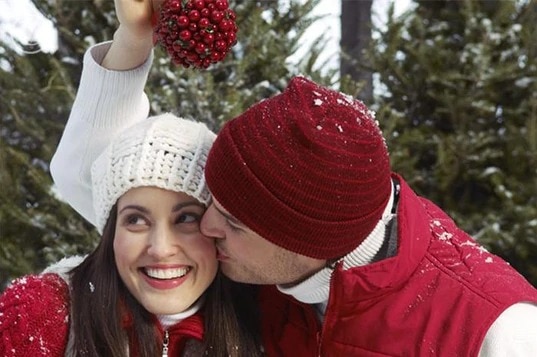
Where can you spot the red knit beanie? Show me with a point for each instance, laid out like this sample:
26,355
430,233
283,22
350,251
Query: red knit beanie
307,170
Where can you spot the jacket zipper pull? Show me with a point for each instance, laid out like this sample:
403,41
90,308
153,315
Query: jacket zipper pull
165,343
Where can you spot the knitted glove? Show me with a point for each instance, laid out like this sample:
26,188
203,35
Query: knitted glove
34,317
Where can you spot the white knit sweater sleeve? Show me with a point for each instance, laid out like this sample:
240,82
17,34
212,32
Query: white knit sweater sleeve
106,103
513,334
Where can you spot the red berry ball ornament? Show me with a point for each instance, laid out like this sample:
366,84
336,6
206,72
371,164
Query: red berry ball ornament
196,32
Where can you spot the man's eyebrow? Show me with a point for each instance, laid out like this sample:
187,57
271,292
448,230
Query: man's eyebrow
229,217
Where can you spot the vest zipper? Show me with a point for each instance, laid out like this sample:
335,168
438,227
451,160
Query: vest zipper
319,341
321,333
165,343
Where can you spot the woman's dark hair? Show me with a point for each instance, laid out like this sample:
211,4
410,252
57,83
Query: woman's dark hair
231,319
100,301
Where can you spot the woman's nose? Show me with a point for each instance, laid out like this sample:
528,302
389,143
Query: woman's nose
162,243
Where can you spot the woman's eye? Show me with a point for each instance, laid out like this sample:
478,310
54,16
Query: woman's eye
134,219
188,218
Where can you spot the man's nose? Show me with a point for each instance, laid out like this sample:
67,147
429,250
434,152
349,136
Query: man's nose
212,223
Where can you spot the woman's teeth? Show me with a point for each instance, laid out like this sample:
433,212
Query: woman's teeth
166,273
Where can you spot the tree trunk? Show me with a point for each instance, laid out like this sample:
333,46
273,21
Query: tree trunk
355,38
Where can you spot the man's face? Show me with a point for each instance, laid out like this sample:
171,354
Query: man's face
246,257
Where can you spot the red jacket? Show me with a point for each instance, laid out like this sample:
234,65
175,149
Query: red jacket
34,320
437,296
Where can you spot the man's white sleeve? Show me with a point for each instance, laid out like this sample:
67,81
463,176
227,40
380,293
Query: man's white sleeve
513,334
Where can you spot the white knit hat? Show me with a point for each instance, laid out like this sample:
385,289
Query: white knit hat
162,151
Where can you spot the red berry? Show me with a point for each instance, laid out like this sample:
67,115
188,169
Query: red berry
194,15
182,21
191,44
174,5
220,45
217,16
185,35
204,22
231,38
193,27
221,4
225,25
216,56
205,12
198,4
201,48
208,38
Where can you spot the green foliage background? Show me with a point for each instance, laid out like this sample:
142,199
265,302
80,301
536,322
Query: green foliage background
458,106
460,115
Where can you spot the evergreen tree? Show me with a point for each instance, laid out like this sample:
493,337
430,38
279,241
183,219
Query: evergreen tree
38,91
459,109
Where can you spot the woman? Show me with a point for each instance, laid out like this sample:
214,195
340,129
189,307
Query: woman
151,286
141,292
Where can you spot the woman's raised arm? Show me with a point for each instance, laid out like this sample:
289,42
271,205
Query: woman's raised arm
110,98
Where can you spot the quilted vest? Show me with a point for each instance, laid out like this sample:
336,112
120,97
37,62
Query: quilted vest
438,296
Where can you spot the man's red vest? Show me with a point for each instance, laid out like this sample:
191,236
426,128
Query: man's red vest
438,296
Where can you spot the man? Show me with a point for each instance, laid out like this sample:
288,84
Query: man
304,198
305,203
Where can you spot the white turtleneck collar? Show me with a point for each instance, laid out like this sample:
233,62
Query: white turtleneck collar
170,320
316,289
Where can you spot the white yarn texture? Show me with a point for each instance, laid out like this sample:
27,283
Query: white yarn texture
162,151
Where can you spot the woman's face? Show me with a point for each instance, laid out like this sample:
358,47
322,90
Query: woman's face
160,253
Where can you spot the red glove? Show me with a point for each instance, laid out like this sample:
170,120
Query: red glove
34,317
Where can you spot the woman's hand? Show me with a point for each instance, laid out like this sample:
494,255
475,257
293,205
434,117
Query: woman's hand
134,16
133,40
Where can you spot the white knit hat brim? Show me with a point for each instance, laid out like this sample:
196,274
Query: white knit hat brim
162,151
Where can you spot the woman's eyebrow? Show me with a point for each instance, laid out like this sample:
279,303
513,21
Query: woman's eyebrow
135,207
182,205
175,208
